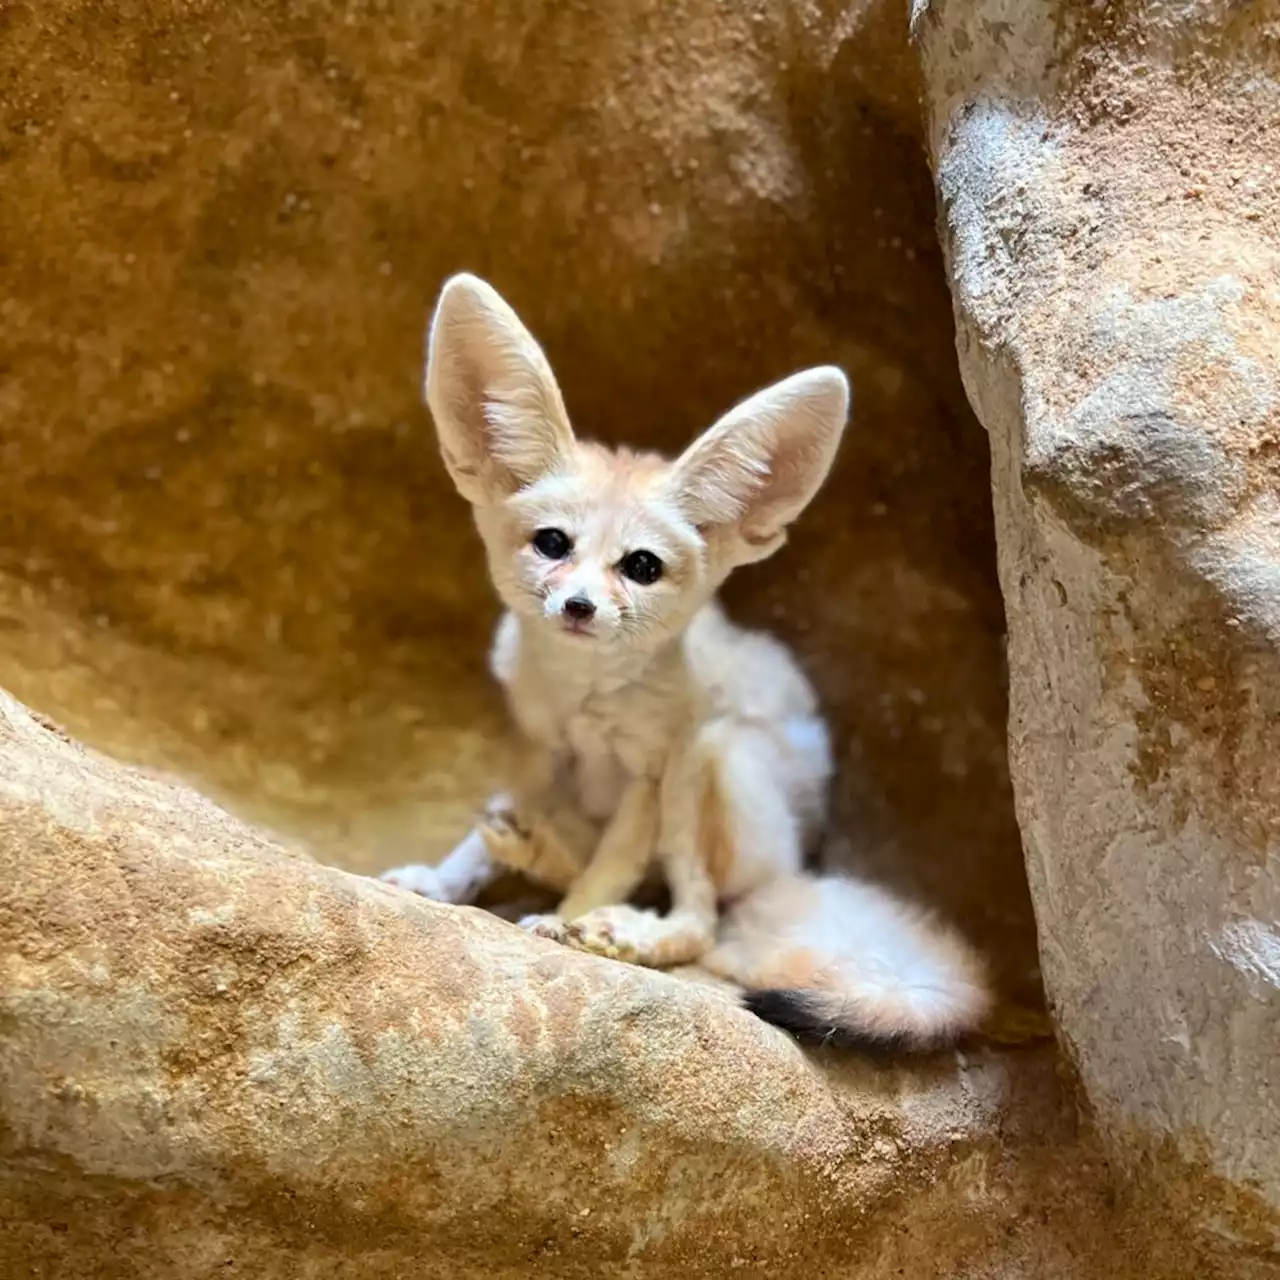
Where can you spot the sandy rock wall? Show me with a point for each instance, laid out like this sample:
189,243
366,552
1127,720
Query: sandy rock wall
227,547
1113,235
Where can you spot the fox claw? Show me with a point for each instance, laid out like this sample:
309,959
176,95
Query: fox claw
552,928
598,933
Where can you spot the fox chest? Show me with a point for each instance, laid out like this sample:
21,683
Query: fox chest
606,738
609,751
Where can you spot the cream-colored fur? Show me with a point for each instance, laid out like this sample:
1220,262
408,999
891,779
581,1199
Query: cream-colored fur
653,729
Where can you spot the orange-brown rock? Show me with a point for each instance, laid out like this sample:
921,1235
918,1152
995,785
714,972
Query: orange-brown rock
228,551
227,546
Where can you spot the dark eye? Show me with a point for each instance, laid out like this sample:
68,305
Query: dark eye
552,543
642,567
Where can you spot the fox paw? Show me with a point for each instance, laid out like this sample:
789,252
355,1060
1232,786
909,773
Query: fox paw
616,933
508,840
417,878
552,928
598,933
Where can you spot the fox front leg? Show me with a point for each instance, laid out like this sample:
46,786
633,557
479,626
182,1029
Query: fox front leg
617,867
623,932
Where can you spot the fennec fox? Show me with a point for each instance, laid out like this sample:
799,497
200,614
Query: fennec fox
676,735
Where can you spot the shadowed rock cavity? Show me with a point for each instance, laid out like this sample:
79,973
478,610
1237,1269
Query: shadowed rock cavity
227,545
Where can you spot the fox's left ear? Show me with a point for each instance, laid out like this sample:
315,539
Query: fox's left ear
756,470
497,409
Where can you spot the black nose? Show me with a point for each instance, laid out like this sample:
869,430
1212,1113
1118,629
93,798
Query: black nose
579,608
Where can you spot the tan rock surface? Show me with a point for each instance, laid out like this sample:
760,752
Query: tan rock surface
1113,230
227,547
228,550
220,1058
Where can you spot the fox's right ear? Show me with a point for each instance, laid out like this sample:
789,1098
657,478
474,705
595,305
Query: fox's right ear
497,409
749,476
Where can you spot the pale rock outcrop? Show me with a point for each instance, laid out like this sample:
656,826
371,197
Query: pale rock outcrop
1110,209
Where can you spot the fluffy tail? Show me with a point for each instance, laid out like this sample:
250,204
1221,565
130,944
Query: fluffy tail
848,963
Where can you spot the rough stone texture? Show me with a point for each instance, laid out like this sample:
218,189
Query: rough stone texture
228,550
227,547
1111,209
218,1058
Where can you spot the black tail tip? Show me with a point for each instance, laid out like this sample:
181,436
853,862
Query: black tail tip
807,1016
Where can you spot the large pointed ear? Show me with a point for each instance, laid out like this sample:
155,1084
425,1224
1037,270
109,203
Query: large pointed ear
497,408
755,471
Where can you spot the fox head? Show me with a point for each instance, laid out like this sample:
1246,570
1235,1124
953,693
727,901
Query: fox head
604,547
